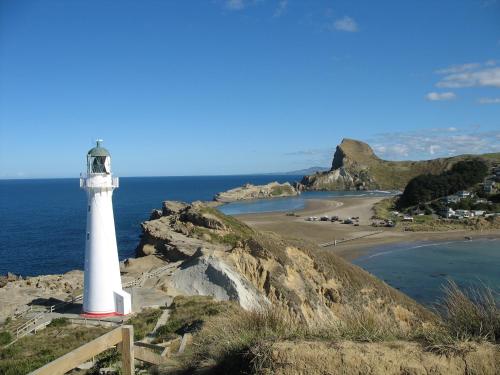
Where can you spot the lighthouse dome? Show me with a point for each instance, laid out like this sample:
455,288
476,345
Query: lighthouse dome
98,150
98,160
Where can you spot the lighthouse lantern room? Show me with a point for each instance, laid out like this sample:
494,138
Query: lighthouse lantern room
103,294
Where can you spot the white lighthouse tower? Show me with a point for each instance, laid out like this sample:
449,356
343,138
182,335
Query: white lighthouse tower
103,294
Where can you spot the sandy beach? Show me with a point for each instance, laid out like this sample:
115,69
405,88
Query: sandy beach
358,239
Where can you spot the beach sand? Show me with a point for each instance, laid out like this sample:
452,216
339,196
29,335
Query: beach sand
357,244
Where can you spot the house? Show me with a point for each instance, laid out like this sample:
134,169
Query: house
408,218
463,213
451,199
446,212
489,187
481,200
463,194
478,212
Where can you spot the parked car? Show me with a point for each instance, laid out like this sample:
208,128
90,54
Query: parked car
334,218
324,218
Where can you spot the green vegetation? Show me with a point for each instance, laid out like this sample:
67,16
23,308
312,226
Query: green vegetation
280,190
239,231
5,337
188,315
144,322
382,209
425,188
32,352
59,322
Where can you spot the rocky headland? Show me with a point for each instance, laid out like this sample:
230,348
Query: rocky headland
249,191
356,167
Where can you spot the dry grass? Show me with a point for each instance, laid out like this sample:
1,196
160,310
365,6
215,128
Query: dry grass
472,314
240,341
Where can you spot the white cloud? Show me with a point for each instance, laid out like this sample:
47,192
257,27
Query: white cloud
345,24
235,4
432,143
282,5
458,68
488,100
398,150
437,96
478,78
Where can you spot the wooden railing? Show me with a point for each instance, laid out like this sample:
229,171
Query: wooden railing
122,336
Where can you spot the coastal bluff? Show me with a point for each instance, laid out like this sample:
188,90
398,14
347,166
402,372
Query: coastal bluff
356,167
249,191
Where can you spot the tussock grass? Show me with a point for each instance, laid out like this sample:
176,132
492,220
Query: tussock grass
240,341
471,315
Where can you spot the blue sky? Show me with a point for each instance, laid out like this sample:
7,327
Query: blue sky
243,86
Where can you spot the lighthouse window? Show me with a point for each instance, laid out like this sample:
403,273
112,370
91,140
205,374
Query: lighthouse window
89,207
88,236
98,164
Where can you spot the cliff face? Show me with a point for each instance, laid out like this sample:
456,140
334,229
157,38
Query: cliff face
225,258
356,167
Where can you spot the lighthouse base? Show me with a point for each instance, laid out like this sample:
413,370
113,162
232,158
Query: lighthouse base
89,315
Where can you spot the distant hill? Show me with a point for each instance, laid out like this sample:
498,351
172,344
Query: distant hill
303,172
356,167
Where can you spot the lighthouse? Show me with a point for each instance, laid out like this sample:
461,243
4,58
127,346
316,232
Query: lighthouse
103,294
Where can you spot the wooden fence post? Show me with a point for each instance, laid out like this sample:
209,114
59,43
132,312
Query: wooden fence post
127,348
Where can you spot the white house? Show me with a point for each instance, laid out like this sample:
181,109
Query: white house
447,212
463,194
464,213
478,212
451,199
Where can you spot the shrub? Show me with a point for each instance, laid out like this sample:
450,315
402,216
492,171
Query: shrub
59,322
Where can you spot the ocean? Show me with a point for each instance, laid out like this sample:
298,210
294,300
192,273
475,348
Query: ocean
43,230
43,221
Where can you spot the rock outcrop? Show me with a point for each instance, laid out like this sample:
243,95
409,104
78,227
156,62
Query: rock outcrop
249,191
356,167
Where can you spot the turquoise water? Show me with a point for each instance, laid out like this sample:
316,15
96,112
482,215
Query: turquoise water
291,203
421,269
